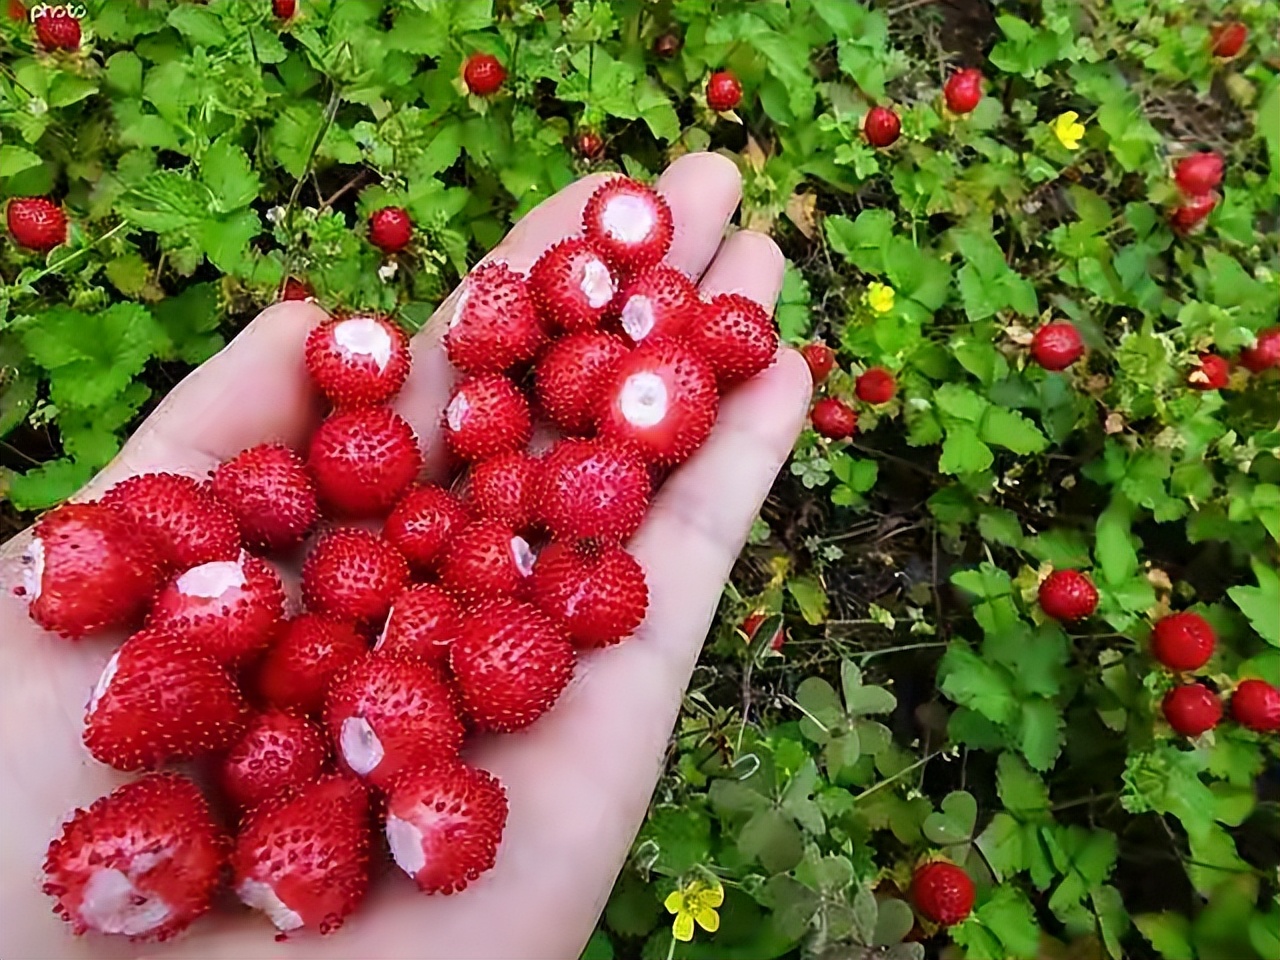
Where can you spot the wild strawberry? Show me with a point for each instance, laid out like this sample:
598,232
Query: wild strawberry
484,74
505,488
269,492
572,285
568,378
1199,173
422,623
444,824
1189,214
359,360
752,623
629,223
660,398
390,229
302,857
667,45
724,91
87,569
16,10
308,652
228,609
1212,373
834,419
589,144
659,302
486,559
386,714
495,324
735,336
1057,345
881,127
158,700
1183,641
598,593
275,751
875,386
593,488
1192,709
57,29
185,522
821,360
363,460
487,415
143,861
511,662
942,892
284,9
37,223
963,90
296,288
352,574
422,522
1255,705
1228,39
1265,352
1068,596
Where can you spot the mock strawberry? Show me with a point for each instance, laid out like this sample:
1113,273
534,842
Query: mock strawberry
1191,709
495,324
1265,352
57,29
185,522
593,489
422,522
942,892
295,288
275,751
752,623
1191,212
486,559
821,360
1068,596
352,574
881,127
834,419
629,223
657,302
486,415
1211,373
359,360
572,285
444,824
364,460
1057,345
390,229
36,223
284,9
483,74
422,623
1255,705
159,700
589,144
511,662
724,91
1183,641
302,857
735,336
660,398
1199,173
568,378
506,488
308,652
875,386
1228,39
269,491
142,862
963,90
598,593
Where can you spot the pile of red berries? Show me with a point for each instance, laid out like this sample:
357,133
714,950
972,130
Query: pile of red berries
427,614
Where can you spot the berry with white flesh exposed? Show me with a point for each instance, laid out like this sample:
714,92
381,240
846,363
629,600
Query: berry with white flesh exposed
573,285
486,559
487,415
660,301
494,324
359,360
629,223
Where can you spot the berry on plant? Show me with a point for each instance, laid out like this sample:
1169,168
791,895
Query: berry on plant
422,522
1229,38
1192,709
359,360
186,524
942,892
875,386
352,574
629,223
724,91
598,593
506,488
1211,373
1068,596
1255,705
881,126
595,489
1057,345
486,559
567,379
296,288
963,90
735,336
573,285
487,415
284,9
589,144
275,751
494,324
834,419
36,222
484,74
1265,352
752,623
423,621
1191,212
57,29
308,652
390,229
1199,173
363,460
821,360
1183,641
270,493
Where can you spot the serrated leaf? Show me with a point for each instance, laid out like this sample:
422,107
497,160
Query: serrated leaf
1169,933
226,170
1013,431
16,159
810,597
1040,730
964,452
1261,604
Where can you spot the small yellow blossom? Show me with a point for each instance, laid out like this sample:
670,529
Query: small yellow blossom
880,297
697,900
1068,129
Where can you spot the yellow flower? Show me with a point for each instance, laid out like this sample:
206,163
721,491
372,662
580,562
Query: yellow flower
880,297
697,900
1068,129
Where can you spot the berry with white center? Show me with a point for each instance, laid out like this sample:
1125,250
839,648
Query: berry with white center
724,91
1183,641
942,892
1190,213
57,29
735,336
422,522
1057,345
821,360
284,9
1228,39
385,714
159,700
422,623
834,419
1255,705
505,488
495,324
486,415
1211,373
142,862
1265,352
593,489
881,127
572,285
36,223
875,386
484,74
363,460
599,593
658,302
185,522
1192,709
963,90
299,666
568,377
1068,596
275,751
302,857
390,229
486,559
660,398
1199,173
352,574
629,223
359,360
270,493
511,662
444,824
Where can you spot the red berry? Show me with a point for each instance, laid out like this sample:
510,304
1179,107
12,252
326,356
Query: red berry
1067,596
143,862
724,92
358,361
268,490
821,360
1183,641
659,302
483,74
752,623
495,324
390,229
834,419
568,378
573,285
364,460
275,751
875,386
486,559
284,9
1229,39
1265,352
37,223
1199,173
352,574
444,824
423,522
598,593
511,663
57,29
298,668
422,623
1256,706
881,127
735,336
1191,709
942,892
593,489
17,10
1212,373
486,415
629,223
589,144
185,523
963,90
296,289
505,488
1191,212
1057,345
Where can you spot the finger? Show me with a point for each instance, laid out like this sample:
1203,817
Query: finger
703,191
747,263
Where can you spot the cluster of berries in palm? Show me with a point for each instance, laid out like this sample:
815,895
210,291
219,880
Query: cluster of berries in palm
428,613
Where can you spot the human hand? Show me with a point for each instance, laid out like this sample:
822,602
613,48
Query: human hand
579,780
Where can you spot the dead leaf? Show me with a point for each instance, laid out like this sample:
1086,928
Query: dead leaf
754,155
800,211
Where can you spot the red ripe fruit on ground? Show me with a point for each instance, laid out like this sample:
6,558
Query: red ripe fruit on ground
364,460
735,336
1212,373
595,489
386,714
36,223
660,399
724,92
444,824
875,386
300,665
422,623
659,302
1199,173
834,419
1057,345
881,127
352,574
1188,215
572,285
598,593
942,892
1183,641
821,360
275,751
228,609
142,862
57,29
1256,706
160,700
1265,352
505,488
1068,596
629,223
1192,709
589,144
423,522
302,857
296,289
390,229
963,90
1229,39
568,378
486,559
86,569
495,324
270,493
484,74
487,415
511,663
358,361
284,9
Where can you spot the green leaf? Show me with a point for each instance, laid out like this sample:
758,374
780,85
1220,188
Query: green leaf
1040,732
980,686
226,170
964,452
16,159
202,27
772,838
633,909
1021,791
822,708
1013,431
599,947
863,241
681,838
954,824
1261,604
48,484
1169,933
810,597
